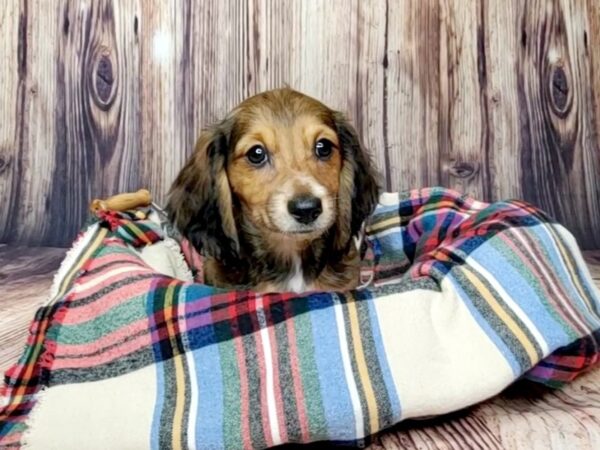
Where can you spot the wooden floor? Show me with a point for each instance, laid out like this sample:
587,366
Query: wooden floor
25,278
525,416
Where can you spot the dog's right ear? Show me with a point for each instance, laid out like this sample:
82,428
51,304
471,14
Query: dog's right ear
200,201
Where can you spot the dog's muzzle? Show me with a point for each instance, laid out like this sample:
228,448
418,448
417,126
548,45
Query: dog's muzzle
305,209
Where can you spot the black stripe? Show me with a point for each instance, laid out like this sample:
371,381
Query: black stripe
255,388
112,287
124,364
165,435
352,353
500,328
277,314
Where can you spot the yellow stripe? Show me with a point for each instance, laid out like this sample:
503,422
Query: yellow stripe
179,373
572,272
437,205
179,402
140,234
395,220
503,315
363,371
81,260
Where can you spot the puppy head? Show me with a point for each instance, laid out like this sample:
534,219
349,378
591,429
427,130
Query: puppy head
283,162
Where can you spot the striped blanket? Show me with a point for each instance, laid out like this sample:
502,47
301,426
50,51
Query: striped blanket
463,299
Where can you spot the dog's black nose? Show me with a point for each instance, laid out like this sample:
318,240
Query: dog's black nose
305,209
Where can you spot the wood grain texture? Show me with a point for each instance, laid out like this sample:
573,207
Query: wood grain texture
95,114
11,88
463,109
559,143
501,44
496,98
525,416
26,275
412,94
28,179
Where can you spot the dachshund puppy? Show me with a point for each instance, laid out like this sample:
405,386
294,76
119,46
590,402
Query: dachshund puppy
274,194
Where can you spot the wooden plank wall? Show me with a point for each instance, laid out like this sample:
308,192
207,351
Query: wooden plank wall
498,98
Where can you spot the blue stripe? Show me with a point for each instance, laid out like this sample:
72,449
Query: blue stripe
392,242
482,321
160,398
337,405
382,209
560,270
203,344
522,292
209,423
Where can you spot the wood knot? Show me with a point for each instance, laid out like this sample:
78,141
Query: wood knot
559,90
103,79
463,169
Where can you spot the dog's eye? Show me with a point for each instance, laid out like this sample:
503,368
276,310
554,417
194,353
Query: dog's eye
323,148
257,155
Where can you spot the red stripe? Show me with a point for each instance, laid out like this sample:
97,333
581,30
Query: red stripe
27,371
83,313
115,259
244,403
275,355
12,438
260,356
576,362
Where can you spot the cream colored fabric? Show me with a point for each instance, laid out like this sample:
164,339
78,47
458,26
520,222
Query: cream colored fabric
438,326
120,420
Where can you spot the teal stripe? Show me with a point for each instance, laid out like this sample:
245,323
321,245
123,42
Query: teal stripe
232,415
309,375
112,320
532,280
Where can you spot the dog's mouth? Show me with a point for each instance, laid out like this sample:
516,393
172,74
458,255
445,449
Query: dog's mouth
304,232
287,225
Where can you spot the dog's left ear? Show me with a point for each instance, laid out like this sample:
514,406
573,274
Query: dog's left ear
358,191
200,200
